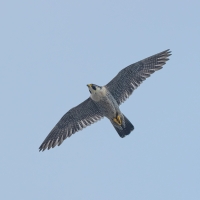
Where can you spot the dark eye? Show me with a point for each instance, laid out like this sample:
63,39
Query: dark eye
93,87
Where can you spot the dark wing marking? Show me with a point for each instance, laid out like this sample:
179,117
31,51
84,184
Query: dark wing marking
129,78
74,120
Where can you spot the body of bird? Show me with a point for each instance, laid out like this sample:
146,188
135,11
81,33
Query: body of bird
104,101
109,108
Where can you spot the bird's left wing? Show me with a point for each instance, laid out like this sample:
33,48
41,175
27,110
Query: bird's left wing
74,120
129,78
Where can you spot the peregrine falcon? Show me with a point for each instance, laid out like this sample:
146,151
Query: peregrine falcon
104,101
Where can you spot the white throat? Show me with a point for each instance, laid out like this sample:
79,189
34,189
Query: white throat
98,94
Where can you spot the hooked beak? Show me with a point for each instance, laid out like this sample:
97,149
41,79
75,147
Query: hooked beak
89,85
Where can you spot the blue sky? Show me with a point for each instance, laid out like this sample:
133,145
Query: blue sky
50,50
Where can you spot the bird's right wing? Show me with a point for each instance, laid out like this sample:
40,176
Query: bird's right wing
129,78
74,120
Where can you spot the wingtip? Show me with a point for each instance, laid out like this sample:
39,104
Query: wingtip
169,52
42,147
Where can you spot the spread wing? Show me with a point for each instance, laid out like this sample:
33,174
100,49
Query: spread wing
129,78
74,120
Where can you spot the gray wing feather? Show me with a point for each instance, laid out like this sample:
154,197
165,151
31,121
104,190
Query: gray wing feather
74,120
129,78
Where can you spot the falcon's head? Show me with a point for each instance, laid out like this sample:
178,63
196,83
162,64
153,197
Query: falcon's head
94,88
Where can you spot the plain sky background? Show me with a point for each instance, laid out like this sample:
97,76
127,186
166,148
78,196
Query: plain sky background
50,50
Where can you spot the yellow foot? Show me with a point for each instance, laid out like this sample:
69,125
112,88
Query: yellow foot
118,120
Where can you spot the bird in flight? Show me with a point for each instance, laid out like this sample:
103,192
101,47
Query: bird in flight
104,101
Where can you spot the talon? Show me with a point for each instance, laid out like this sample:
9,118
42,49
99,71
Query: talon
118,120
